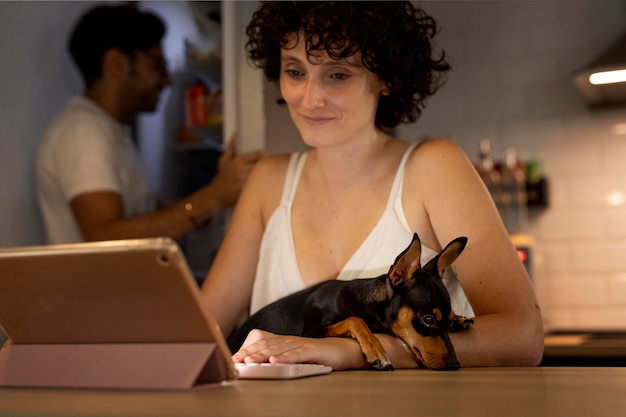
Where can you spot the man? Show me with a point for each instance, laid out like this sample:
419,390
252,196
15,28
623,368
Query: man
90,183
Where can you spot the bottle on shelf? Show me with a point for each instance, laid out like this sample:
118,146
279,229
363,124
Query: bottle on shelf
513,194
488,172
536,185
515,207
195,105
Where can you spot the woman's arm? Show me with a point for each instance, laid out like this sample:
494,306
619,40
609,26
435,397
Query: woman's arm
338,353
228,285
508,327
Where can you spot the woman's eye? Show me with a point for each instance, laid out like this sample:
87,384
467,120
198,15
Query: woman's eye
293,73
339,76
428,320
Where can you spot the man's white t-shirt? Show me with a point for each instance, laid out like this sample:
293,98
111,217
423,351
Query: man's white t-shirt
85,150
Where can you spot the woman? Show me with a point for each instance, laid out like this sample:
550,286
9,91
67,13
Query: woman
345,209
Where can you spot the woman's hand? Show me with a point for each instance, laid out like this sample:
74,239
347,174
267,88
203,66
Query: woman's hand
338,353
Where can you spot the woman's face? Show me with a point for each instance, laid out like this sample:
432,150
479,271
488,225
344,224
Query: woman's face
330,101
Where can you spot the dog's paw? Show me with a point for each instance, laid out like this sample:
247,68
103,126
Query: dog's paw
382,365
460,324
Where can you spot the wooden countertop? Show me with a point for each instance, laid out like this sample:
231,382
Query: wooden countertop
480,392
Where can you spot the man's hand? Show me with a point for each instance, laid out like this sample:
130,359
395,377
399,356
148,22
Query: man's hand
232,173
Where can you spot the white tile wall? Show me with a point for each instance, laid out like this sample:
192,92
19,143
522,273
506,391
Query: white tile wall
512,60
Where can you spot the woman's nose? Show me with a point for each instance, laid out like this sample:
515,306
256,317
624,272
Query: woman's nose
313,94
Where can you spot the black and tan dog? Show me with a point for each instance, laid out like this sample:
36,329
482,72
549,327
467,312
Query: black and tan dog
409,302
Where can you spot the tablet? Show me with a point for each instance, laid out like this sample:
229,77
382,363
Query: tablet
120,296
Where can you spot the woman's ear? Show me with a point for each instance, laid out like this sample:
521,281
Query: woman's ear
385,91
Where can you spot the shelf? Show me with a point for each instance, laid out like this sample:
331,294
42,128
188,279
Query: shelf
196,146
206,66
199,138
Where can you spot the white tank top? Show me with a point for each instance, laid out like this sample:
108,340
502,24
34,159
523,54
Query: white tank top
278,274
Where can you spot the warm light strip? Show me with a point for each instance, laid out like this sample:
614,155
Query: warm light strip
608,77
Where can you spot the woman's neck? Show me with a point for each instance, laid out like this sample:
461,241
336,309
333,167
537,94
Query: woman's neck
349,164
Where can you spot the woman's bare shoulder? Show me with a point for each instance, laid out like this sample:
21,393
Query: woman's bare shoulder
438,147
266,182
433,158
271,167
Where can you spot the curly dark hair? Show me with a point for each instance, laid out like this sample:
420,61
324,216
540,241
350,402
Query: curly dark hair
394,39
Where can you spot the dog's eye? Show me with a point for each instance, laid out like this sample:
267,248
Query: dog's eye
428,320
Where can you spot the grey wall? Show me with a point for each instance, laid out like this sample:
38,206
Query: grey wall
36,76
510,83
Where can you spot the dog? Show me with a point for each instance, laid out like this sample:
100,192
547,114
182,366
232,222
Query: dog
409,302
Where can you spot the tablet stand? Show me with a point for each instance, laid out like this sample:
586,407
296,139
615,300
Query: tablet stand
114,365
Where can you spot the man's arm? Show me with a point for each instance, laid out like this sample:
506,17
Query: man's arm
100,214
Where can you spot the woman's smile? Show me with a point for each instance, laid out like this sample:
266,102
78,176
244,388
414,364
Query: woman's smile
316,120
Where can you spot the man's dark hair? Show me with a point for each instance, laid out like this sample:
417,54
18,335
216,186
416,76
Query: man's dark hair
394,39
122,27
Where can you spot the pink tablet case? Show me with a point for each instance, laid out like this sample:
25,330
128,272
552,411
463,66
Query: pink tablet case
120,314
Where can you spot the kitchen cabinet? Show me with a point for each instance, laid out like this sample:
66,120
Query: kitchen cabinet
585,349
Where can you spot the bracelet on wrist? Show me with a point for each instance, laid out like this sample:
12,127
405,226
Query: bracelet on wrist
189,210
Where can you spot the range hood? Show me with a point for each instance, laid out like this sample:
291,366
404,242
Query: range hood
602,83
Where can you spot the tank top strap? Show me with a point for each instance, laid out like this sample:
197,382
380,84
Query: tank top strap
396,187
294,169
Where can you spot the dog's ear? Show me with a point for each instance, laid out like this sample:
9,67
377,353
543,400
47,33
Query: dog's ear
406,264
450,253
